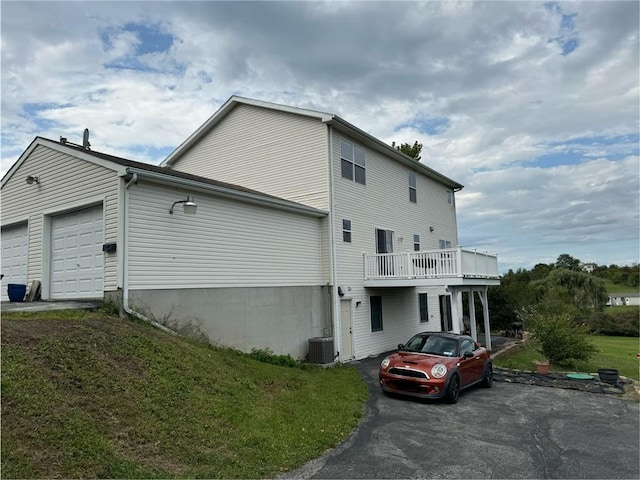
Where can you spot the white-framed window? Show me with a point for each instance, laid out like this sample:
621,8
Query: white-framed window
444,244
346,230
416,243
424,307
413,192
375,303
450,197
352,162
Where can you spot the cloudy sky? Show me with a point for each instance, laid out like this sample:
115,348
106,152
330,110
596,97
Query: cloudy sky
533,106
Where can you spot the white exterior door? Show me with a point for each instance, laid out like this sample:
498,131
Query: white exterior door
346,333
384,244
76,254
14,256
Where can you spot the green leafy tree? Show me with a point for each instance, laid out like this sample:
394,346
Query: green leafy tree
412,150
567,261
513,293
584,292
540,271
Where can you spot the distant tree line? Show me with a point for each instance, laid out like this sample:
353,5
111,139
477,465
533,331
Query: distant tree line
564,288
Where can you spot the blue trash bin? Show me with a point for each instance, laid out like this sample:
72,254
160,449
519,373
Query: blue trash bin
16,292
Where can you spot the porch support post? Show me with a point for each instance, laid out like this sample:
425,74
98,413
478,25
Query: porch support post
472,316
456,310
485,311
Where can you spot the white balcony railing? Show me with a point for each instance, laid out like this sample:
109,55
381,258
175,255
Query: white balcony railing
451,262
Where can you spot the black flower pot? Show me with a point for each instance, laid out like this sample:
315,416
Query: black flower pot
609,375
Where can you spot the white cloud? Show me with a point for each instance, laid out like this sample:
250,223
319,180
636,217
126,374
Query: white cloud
511,82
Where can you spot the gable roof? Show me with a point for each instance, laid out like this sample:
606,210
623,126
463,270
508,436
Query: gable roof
327,118
126,167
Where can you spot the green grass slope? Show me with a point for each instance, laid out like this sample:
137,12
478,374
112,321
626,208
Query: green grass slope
90,395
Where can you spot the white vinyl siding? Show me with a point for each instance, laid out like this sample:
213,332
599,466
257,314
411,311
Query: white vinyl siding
401,318
227,243
66,183
383,204
278,153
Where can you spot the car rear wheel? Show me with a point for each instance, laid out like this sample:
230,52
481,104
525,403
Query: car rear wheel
487,376
453,392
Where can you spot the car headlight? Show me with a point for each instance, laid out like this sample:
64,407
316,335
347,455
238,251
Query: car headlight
438,371
385,363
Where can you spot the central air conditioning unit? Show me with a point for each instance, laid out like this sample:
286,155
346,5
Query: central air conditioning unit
321,350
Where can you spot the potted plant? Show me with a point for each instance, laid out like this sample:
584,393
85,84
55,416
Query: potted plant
542,366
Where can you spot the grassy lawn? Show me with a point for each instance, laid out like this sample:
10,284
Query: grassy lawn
617,288
614,352
619,308
89,395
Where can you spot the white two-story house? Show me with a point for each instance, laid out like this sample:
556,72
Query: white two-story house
390,259
268,227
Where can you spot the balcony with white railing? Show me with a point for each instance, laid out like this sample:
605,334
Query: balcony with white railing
451,266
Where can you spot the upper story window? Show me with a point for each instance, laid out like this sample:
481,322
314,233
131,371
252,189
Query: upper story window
346,231
416,243
444,244
413,192
352,162
450,197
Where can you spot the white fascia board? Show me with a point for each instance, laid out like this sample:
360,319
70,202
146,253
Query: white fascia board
284,108
221,191
202,129
121,170
34,143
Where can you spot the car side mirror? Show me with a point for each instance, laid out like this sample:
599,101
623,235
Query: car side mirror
400,346
467,354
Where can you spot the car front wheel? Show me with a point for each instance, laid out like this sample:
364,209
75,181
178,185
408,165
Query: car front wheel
453,392
487,376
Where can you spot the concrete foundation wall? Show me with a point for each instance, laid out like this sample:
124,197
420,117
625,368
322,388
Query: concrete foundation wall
281,319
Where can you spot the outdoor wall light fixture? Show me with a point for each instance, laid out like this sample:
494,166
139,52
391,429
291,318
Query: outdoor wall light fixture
189,205
31,179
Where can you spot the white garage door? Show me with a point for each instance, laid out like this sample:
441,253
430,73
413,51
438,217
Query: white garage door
76,254
14,256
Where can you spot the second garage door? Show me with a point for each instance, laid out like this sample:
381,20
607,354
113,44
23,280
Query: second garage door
76,254
14,256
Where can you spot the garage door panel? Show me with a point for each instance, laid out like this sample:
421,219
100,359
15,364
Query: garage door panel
77,258
71,241
14,256
86,239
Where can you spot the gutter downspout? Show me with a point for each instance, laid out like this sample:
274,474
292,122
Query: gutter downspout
334,274
125,274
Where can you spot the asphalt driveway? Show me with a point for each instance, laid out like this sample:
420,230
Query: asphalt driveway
508,431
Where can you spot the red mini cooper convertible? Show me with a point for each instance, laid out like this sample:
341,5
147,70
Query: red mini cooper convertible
436,365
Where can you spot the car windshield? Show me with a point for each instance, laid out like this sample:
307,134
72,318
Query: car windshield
432,344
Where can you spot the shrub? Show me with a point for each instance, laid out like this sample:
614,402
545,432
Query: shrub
623,322
267,356
561,340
